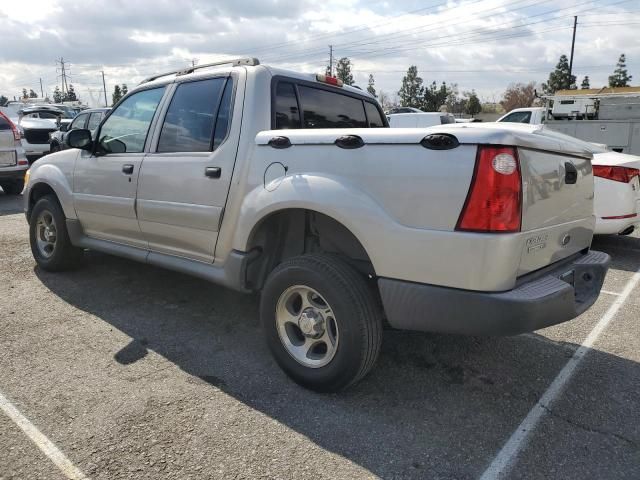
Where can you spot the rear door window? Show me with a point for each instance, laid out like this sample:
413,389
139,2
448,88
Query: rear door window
191,119
4,124
373,115
323,109
286,107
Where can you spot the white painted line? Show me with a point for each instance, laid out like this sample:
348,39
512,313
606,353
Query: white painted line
41,441
607,292
504,460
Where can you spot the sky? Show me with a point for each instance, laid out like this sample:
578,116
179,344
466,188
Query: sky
477,44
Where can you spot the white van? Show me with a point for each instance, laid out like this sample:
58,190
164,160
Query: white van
417,120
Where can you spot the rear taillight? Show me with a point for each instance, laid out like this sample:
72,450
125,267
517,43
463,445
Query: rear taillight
14,128
494,201
617,174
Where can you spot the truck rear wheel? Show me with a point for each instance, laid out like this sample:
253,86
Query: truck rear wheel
322,322
49,239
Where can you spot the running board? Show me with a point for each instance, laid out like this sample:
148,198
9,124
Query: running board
232,274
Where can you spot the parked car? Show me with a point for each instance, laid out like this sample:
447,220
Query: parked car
35,124
13,162
89,119
272,181
419,120
616,192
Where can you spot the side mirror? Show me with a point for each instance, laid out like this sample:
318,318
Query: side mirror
64,127
80,138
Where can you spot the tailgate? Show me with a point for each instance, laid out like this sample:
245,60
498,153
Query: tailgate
557,207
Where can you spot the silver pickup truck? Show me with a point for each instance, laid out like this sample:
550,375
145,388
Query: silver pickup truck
291,185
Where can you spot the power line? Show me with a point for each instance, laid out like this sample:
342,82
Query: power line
436,25
442,25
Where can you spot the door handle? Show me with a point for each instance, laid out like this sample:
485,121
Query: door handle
212,172
127,169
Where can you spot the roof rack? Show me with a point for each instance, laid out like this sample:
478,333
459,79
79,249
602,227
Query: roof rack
235,62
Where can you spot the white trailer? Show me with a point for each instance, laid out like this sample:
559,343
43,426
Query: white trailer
607,116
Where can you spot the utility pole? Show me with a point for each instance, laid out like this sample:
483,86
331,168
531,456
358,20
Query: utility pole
573,44
331,60
63,77
41,89
104,89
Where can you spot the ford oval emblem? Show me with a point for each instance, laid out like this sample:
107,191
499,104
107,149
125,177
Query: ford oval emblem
565,240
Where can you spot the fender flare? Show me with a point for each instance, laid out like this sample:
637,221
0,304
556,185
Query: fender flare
343,202
50,175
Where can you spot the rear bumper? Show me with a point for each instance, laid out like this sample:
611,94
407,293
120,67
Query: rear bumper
17,174
540,299
614,226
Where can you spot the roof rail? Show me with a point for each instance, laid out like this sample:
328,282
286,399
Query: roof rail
235,62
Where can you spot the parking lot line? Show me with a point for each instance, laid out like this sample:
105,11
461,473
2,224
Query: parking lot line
607,292
505,459
42,442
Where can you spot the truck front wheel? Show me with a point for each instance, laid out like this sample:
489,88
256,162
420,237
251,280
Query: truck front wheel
322,322
49,239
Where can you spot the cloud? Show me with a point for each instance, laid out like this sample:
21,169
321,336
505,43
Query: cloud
483,45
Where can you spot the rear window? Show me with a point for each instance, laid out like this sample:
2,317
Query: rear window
4,124
444,119
323,109
517,117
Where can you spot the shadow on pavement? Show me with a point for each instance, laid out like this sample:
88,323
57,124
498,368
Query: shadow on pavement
10,204
434,406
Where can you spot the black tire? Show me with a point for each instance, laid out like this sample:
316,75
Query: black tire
64,256
14,187
358,317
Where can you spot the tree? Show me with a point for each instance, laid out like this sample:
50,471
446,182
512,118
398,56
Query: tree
411,91
125,90
560,79
620,77
70,96
585,83
57,95
24,93
474,106
386,101
3,100
434,97
32,94
343,71
518,95
371,88
117,94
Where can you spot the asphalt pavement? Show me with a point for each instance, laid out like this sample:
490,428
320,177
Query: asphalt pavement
132,371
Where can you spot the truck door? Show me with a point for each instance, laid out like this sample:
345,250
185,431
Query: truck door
104,186
185,179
